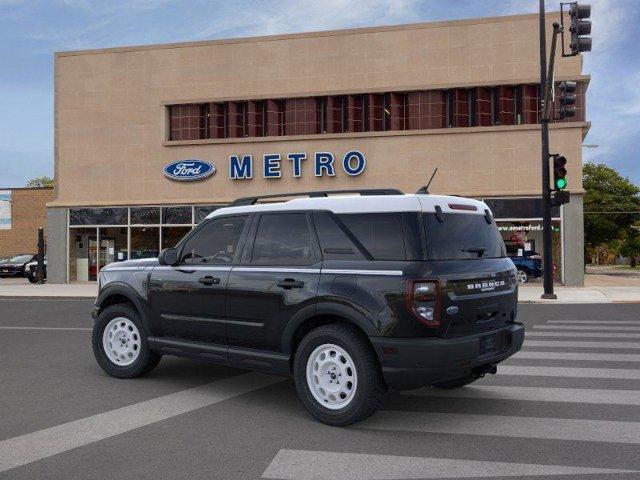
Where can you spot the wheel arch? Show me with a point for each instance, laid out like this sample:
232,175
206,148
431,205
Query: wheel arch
116,293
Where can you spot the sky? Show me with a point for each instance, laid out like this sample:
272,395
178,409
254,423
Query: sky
31,30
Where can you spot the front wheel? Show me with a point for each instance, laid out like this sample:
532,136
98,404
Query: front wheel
120,343
32,279
337,375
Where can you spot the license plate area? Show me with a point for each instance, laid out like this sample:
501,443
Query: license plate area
490,344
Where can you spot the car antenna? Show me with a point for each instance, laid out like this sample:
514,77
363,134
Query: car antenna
425,189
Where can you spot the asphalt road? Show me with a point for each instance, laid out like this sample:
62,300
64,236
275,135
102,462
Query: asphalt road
566,407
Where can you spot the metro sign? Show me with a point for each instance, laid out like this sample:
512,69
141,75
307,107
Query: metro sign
241,167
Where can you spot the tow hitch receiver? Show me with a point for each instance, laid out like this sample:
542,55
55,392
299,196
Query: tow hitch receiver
484,369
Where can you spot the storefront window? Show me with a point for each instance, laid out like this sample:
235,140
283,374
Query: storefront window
518,208
201,211
113,246
176,215
145,216
98,216
145,242
82,254
172,235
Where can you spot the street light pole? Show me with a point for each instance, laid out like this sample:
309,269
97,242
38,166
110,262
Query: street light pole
546,191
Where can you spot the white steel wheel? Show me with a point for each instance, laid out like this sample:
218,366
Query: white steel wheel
331,376
521,276
121,341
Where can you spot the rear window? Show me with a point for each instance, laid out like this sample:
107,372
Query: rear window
462,236
380,233
283,239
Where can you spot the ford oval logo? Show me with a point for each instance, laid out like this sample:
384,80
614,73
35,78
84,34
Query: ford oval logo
188,170
452,310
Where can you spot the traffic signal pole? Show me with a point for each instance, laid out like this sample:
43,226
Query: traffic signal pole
547,258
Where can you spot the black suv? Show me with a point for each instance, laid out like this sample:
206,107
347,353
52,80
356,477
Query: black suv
348,294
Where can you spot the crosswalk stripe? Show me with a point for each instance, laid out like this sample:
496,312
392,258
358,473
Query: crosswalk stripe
534,333
604,357
311,465
573,343
588,328
536,394
506,426
598,322
569,372
34,446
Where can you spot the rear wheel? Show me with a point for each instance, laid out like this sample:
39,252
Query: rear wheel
455,383
337,375
120,343
522,276
31,278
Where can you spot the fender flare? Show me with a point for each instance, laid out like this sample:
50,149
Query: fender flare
325,308
127,291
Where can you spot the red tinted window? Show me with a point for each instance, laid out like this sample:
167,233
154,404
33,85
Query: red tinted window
256,113
275,118
483,107
187,122
506,105
460,107
300,116
530,105
236,112
336,114
217,120
396,111
426,110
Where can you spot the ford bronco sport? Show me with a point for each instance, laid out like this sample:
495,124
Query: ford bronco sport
348,294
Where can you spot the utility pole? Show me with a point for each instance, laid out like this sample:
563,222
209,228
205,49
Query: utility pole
547,257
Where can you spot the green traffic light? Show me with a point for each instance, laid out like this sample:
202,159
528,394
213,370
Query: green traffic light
561,183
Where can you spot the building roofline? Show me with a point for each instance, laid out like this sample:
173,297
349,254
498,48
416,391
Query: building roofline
26,188
313,34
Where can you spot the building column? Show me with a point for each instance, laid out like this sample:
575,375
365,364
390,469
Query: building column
57,245
573,241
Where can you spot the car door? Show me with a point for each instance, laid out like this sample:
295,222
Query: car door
278,276
188,299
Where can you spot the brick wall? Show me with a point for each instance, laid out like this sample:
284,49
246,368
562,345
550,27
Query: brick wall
28,212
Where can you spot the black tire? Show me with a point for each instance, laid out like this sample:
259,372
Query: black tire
455,383
146,360
32,279
370,390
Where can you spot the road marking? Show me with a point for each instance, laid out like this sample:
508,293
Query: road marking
31,447
604,357
599,322
506,426
588,328
62,329
619,373
570,343
581,334
310,464
536,394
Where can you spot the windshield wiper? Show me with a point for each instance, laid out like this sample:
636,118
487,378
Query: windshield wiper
477,250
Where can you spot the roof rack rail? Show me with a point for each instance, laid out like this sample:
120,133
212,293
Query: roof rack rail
244,201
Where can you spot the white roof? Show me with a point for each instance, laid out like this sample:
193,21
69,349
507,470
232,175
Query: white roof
363,204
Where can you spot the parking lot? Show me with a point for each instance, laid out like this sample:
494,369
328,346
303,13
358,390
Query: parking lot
567,406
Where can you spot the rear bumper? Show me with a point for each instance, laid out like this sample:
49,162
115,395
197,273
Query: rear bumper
416,362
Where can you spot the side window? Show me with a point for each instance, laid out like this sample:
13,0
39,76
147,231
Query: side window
380,233
334,242
283,239
215,242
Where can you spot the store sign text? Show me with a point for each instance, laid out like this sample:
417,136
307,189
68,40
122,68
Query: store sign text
189,170
241,167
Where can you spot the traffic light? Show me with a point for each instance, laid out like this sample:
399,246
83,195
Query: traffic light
580,26
559,172
559,198
567,98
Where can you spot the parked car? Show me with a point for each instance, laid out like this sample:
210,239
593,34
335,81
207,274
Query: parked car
528,267
349,295
15,266
31,270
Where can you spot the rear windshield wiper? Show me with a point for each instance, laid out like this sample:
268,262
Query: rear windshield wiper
477,250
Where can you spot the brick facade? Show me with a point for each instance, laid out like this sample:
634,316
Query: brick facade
28,212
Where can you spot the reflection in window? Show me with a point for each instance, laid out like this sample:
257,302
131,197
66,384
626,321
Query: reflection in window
98,216
145,215
145,242
176,215
215,242
283,239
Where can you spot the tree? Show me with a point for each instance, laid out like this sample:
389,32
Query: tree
40,182
611,205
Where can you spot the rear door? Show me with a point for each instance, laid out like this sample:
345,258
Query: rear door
278,276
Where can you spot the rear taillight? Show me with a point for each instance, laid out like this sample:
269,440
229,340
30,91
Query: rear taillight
423,301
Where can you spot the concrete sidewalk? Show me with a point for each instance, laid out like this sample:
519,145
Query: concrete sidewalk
14,288
593,294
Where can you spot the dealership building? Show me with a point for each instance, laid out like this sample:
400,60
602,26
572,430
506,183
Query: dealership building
150,139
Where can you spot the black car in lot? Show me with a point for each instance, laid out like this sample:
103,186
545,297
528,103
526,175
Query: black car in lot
349,295
15,266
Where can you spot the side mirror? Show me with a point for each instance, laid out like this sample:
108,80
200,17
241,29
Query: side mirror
168,256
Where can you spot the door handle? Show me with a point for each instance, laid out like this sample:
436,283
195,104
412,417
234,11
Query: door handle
209,280
289,283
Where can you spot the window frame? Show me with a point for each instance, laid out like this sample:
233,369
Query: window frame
239,247
247,254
